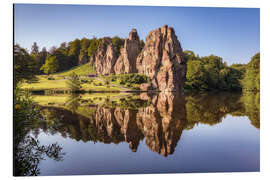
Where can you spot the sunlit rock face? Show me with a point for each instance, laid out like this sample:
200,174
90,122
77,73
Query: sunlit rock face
162,60
126,62
105,57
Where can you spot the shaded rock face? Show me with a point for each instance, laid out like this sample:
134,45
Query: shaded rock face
105,57
161,59
126,63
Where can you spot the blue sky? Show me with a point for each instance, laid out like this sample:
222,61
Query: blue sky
232,33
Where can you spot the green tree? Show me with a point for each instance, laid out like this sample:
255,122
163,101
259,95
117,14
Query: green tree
74,83
93,46
211,73
27,151
118,43
251,80
35,49
189,55
24,65
196,75
74,48
51,65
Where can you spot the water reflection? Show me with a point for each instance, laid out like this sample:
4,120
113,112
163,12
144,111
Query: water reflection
159,119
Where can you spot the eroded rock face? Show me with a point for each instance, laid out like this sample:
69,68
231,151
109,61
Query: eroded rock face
161,59
126,63
92,60
105,57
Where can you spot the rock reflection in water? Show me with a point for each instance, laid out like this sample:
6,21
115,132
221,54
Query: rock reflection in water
160,121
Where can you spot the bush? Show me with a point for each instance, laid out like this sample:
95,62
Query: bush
130,79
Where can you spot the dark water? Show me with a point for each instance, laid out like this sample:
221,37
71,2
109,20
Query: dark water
158,133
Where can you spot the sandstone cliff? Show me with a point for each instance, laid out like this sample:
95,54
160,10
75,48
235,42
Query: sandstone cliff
126,63
105,57
161,59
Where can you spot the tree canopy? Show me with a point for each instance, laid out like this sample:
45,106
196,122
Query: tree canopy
211,73
24,65
51,65
251,79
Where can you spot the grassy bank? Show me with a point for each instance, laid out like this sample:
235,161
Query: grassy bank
59,82
112,83
82,70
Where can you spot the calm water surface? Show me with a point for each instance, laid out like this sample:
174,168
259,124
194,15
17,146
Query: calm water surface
144,133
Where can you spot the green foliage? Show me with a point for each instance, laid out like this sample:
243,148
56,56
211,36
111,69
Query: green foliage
74,48
24,65
189,55
74,83
251,80
195,75
211,73
27,150
118,43
40,59
51,65
93,46
84,44
129,79
34,49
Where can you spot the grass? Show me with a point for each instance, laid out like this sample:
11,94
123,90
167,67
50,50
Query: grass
59,83
44,84
82,70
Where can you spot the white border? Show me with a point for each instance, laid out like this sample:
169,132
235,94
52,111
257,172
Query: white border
6,82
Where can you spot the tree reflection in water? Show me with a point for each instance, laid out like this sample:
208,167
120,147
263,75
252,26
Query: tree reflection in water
29,153
159,119
27,150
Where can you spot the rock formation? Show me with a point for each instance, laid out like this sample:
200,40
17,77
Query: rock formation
161,59
126,63
105,57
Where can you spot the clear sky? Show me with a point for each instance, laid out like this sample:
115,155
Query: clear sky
232,33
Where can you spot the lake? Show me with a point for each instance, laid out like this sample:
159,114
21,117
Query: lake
148,133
